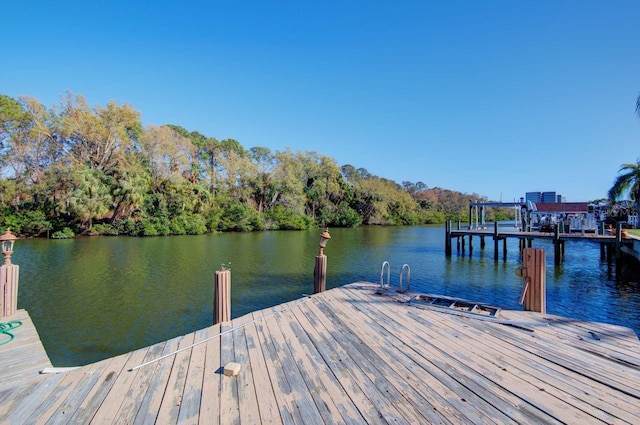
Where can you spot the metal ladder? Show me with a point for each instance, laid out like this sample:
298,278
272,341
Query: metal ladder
388,284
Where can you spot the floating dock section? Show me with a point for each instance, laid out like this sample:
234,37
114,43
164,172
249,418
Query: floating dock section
355,355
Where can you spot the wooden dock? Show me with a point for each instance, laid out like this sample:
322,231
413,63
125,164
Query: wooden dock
610,245
349,355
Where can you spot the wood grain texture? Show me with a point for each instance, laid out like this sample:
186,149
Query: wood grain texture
350,355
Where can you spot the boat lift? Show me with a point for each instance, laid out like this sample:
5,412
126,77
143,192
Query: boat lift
477,213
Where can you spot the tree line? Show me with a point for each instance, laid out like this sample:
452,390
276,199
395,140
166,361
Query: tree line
75,169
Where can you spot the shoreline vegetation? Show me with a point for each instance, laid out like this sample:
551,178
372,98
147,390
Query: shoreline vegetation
73,169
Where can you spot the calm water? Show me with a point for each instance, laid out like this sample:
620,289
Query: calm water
93,298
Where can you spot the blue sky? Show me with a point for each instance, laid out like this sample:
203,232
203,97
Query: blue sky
492,97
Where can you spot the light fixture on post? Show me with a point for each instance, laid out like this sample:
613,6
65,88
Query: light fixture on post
7,240
324,238
320,271
8,277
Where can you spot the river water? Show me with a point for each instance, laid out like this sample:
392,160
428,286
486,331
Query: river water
93,298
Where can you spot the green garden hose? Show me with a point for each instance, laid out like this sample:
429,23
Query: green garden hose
5,329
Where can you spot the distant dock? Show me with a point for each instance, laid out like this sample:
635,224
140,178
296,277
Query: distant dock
610,245
351,355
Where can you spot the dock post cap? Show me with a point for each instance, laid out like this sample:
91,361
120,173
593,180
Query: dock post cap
231,369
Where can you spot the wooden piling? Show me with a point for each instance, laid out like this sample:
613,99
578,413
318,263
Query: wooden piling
9,274
557,247
495,240
222,297
534,273
504,249
482,243
618,239
447,238
320,274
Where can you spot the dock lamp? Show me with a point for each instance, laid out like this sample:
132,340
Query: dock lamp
320,271
7,240
9,274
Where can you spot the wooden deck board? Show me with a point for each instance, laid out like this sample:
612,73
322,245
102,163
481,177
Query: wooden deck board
229,408
483,391
349,391
309,410
532,388
382,395
282,390
247,398
321,379
392,350
210,401
267,402
406,398
134,397
487,347
561,383
299,365
172,398
154,393
351,356
192,395
23,357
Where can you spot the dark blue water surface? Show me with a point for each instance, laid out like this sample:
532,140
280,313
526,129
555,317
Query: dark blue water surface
92,298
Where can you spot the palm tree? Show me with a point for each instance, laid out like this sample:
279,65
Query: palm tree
627,180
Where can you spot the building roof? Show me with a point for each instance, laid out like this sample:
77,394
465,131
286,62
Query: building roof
562,207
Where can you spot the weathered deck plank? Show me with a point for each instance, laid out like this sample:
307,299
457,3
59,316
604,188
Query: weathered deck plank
133,398
414,372
210,401
172,398
23,357
229,408
351,356
267,402
306,381
247,399
192,395
154,393
319,378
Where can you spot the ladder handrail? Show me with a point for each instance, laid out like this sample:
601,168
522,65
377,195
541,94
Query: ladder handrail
405,266
382,274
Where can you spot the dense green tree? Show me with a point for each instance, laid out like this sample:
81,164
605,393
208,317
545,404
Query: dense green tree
129,186
169,155
288,176
98,137
90,198
28,141
264,189
75,168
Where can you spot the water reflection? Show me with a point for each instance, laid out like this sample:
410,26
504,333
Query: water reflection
93,298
